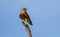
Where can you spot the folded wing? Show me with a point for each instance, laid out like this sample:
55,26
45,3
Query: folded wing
28,18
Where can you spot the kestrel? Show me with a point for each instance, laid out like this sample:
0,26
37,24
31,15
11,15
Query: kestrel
24,16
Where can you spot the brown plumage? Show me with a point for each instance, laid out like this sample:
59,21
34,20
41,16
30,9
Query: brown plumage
24,16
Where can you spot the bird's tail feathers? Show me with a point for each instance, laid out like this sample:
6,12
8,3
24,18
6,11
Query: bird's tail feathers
29,21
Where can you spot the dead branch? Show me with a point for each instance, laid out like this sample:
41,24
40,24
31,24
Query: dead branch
27,29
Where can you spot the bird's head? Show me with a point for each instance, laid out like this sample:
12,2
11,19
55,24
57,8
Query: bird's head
24,9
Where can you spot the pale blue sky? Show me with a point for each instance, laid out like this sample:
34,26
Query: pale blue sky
45,15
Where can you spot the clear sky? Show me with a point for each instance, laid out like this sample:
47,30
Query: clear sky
45,15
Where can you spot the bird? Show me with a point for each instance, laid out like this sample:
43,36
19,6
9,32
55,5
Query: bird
24,16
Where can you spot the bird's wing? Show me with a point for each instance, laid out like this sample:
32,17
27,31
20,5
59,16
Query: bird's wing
27,14
28,20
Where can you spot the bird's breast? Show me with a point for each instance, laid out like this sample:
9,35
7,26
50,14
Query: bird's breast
22,12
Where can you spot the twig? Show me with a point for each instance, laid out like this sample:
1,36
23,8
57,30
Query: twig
27,29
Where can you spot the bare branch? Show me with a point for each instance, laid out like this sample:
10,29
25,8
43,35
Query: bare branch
27,29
